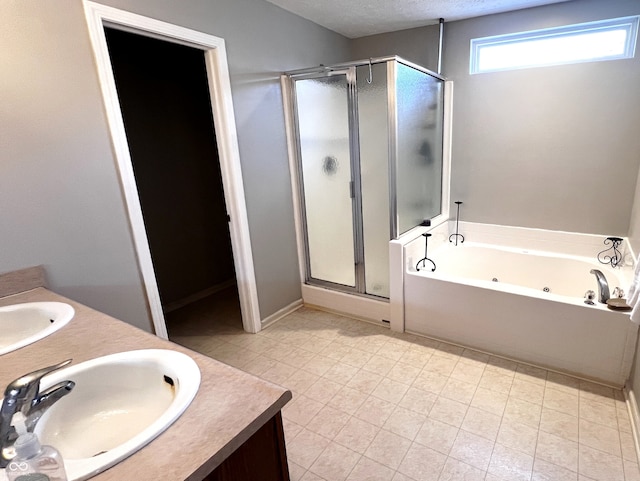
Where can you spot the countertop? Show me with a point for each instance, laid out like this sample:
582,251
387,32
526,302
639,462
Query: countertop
229,407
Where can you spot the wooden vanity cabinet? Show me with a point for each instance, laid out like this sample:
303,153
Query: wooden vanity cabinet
262,457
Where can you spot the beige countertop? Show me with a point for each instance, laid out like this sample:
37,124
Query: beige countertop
230,405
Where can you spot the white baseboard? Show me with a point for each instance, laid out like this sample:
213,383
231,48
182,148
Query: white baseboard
285,311
172,306
634,417
353,306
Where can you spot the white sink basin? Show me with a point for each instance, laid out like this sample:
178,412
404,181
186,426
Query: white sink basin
24,324
119,404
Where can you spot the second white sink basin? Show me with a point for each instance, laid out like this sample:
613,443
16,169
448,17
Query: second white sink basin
119,404
24,324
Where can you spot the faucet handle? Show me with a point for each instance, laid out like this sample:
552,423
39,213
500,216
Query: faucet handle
24,385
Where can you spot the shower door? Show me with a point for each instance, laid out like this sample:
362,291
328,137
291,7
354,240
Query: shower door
329,178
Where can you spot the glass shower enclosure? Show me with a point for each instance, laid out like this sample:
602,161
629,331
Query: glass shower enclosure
368,139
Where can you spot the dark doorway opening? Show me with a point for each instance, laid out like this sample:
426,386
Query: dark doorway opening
166,107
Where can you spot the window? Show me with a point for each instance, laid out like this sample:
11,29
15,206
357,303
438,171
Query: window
584,42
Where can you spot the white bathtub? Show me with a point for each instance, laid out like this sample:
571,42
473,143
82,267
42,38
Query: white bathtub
514,316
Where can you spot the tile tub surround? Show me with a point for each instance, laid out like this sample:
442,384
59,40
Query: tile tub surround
229,408
370,404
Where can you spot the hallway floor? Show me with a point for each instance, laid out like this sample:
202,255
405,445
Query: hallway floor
372,405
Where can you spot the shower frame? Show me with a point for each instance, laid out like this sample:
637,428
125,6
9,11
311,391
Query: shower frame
294,150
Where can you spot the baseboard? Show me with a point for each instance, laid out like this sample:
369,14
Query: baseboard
172,306
285,311
359,307
634,417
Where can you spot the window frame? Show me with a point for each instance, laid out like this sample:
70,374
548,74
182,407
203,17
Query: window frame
630,24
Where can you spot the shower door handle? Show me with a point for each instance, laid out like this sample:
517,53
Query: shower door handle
352,189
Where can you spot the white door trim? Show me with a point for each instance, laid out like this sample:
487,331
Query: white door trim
98,16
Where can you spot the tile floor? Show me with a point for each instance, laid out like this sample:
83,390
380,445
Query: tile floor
369,404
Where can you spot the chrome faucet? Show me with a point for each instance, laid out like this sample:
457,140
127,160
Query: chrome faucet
23,395
603,286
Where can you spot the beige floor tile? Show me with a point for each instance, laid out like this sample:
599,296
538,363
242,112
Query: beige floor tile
404,373
416,358
418,401
448,411
472,449
529,391
468,372
296,472
348,400
392,351
496,380
364,381
375,411
628,447
405,423
624,424
356,358
459,391
297,357
482,423
599,465
510,464
430,382
401,477
391,391
368,470
476,357
291,429
563,401
597,393
422,463
328,422
301,410
631,471
562,382
437,435
455,470
518,436
379,365
279,373
388,449
493,402
597,412
319,364
560,424
259,364
357,435
341,373
600,437
501,365
306,447
335,463
531,373
441,365
557,450
323,346
523,412
300,381
544,471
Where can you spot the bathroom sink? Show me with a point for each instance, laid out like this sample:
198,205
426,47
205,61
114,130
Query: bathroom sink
24,324
119,404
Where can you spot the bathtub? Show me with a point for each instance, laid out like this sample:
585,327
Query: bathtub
522,303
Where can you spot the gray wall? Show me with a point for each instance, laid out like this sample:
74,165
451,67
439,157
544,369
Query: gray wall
60,199
554,147
418,45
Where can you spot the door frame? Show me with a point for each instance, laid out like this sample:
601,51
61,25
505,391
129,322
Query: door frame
99,16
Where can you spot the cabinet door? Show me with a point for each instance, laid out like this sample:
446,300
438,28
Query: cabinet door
263,457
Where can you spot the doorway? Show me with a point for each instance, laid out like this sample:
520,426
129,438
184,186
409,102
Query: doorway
166,108
213,55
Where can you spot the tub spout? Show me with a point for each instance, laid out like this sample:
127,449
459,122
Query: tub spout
603,286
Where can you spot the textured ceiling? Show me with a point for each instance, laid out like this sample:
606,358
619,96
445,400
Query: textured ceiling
359,18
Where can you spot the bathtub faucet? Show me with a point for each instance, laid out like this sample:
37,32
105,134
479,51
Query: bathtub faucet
603,286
